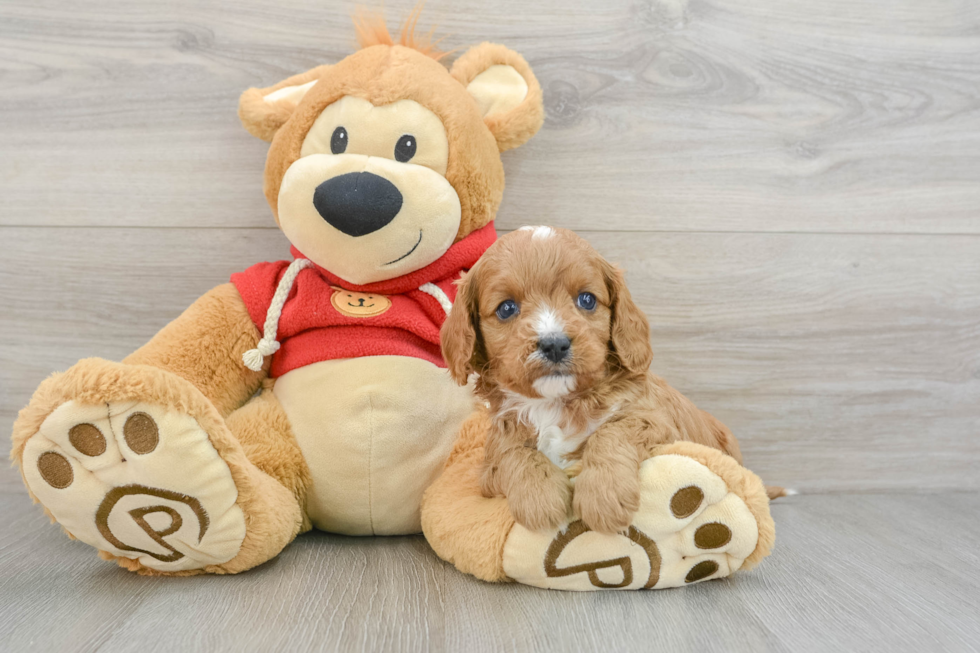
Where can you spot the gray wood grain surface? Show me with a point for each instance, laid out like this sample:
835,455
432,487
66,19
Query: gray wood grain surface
793,188
841,364
736,115
850,573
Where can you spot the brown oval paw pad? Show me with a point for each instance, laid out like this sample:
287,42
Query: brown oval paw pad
87,439
686,501
712,536
108,474
55,469
701,570
141,433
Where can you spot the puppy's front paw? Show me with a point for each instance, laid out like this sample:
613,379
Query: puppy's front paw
542,506
606,503
489,482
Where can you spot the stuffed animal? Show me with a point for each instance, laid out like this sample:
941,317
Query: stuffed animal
308,393
312,393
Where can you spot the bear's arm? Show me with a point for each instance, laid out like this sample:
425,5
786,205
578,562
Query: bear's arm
205,346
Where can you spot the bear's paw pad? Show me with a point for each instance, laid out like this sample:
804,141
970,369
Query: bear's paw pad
138,481
690,527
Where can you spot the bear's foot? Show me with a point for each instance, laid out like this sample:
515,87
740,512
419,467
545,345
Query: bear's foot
702,516
137,463
138,481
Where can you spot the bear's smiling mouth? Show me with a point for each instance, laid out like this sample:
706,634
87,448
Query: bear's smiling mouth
405,255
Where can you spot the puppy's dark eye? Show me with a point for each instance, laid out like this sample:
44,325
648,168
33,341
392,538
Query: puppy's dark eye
405,148
586,301
508,309
338,142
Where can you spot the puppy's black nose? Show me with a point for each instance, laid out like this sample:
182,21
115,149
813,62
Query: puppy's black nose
357,203
555,348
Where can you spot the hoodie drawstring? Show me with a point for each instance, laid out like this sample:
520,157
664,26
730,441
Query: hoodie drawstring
435,291
268,345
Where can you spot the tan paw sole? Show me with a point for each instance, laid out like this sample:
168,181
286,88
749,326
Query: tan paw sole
136,480
690,527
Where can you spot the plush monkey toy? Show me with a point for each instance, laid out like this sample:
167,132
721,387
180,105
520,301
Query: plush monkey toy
312,393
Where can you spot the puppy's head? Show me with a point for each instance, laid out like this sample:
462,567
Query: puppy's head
543,315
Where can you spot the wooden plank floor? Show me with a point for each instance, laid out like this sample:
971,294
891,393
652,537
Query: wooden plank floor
862,572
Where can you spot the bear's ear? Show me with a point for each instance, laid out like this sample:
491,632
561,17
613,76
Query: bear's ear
505,90
264,110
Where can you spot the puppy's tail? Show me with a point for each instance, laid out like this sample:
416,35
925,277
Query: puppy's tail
775,491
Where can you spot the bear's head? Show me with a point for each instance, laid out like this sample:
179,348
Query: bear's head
379,163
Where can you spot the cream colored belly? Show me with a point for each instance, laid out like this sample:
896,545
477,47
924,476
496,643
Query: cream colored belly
375,432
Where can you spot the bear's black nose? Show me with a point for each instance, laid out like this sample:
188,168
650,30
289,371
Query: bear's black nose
357,203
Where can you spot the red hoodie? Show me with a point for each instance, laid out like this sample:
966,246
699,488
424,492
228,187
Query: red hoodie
326,318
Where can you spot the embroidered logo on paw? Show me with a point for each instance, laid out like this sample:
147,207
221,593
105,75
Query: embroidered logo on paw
624,563
153,519
138,481
359,304
141,515
569,548
690,527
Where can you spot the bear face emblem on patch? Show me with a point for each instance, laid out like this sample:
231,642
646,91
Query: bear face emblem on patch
359,304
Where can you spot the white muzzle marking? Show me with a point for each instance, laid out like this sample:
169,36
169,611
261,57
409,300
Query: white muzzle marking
554,386
547,323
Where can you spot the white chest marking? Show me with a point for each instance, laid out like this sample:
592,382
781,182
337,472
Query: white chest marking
553,443
555,385
545,416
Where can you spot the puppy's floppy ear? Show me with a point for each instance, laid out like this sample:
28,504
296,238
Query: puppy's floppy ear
629,338
505,90
264,110
460,334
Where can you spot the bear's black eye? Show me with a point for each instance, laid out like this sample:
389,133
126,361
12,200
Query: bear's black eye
338,142
508,309
586,301
405,148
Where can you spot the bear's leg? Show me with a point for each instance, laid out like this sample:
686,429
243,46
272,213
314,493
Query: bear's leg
138,463
701,516
266,436
461,525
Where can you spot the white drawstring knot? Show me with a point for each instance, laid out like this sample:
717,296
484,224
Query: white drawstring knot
268,345
255,358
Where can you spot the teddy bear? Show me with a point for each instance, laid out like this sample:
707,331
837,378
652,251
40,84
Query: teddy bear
312,393
308,393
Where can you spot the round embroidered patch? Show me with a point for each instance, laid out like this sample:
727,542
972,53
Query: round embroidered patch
359,304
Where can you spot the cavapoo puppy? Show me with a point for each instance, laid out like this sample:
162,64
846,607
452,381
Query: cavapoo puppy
561,352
